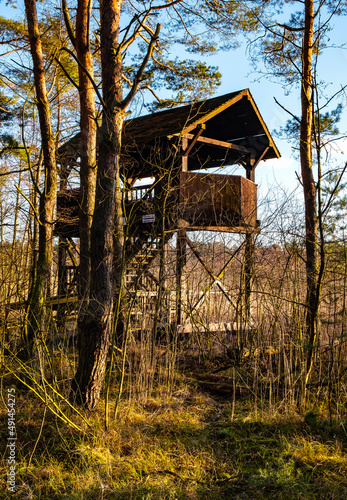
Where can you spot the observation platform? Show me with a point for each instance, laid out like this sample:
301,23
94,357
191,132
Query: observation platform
175,151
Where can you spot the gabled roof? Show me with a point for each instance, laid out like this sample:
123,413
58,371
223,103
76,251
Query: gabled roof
232,118
179,120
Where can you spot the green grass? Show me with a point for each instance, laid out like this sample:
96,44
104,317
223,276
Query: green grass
186,447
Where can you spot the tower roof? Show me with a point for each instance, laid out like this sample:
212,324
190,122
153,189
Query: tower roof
232,119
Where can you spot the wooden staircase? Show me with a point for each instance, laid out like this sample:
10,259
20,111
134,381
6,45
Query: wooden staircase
143,243
142,285
137,266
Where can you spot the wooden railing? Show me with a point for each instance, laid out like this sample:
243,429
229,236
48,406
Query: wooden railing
201,201
143,192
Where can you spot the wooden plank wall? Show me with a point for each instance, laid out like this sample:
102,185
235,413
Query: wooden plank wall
218,199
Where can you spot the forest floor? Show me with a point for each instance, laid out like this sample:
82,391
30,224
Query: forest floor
194,444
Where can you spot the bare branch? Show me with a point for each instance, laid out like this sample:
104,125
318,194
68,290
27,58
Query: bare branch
68,23
287,110
141,69
332,194
67,74
37,216
86,72
290,28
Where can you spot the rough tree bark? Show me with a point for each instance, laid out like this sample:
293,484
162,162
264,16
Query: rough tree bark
88,154
107,237
88,140
309,187
38,292
81,41
96,324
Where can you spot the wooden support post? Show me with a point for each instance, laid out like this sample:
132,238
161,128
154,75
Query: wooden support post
62,283
62,272
181,259
249,253
184,155
65,169
181,245
186,147
250,172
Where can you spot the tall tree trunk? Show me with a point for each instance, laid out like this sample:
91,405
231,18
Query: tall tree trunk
38,292
88,140
309,184
96,325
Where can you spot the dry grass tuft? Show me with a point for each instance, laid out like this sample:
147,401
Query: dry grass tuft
187,446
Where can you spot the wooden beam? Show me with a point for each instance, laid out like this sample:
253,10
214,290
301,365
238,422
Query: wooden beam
202,127
53,302
221,229
184,156
218,143
266,130
249,251
250,174
248,270
218,109
250,166
62,274
181,259
215,279
258,160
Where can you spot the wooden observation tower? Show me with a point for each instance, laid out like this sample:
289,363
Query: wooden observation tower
173,152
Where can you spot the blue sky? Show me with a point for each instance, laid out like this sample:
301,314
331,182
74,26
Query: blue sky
237,74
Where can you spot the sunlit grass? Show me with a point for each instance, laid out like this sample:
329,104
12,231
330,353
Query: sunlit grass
187,446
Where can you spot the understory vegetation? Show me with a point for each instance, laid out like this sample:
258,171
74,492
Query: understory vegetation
213,410
209,410
204,440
